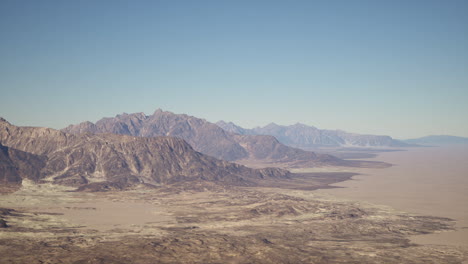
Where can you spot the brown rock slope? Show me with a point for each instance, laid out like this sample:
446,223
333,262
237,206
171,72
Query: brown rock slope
8,169
16,165
200,134
210,139
107,161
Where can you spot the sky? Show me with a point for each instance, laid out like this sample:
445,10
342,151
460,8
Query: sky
396,68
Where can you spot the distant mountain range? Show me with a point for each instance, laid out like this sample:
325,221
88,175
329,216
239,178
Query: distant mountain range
109,161
210,139
309,137
438,140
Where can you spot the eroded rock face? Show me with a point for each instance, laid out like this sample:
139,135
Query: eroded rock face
3,213
205,137
8,169
16,165
115,161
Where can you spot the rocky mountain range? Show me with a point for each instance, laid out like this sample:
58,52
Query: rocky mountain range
109,161
208,138
309,137
438,140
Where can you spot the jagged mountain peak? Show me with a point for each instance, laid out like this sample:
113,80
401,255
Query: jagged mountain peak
158,111
272,124
299,125
221,122
139,114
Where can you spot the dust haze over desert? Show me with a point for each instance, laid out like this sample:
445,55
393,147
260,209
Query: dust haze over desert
233,132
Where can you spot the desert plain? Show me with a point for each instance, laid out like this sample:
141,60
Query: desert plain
305,219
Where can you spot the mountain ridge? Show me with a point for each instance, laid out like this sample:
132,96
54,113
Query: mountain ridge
207,138
110,161
308,137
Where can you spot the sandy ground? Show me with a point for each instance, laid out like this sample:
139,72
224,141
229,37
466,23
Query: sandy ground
426,181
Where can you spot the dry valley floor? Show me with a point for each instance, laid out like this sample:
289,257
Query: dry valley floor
202,222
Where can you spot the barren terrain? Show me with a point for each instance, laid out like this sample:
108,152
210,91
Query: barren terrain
426,181
201,222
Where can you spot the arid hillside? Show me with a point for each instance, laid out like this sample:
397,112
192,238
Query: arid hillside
110,161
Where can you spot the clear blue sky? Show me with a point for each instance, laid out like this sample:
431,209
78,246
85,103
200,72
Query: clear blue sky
383,67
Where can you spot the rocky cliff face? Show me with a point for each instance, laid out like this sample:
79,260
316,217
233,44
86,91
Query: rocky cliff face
204,136
114,161
17,165
303,136
8,169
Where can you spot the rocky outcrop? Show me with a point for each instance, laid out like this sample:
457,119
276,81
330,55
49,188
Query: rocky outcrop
3,213
8,169
16,165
